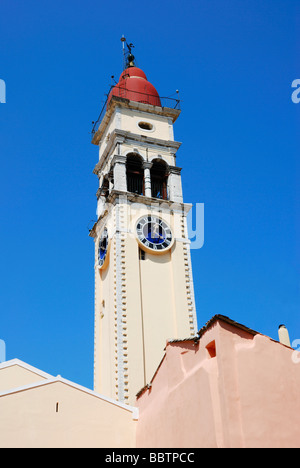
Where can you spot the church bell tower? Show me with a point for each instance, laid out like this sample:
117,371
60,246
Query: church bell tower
143,277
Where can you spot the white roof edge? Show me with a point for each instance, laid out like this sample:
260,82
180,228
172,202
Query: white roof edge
18,362
133,409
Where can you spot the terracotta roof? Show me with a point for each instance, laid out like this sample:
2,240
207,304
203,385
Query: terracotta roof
227,320
208,324
197,337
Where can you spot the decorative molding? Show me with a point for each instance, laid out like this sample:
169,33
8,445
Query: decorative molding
147,164
175,170
118,158
120,316
189,283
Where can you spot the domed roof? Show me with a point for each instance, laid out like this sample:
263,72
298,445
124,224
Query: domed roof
133,85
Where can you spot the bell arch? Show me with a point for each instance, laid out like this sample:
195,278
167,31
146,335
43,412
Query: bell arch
159,179
135,174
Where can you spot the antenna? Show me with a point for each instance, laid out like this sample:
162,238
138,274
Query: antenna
123,39
128,58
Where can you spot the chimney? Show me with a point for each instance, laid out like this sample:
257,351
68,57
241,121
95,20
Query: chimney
284,335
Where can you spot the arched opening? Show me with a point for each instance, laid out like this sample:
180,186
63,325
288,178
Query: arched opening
135,174
159,179
104,189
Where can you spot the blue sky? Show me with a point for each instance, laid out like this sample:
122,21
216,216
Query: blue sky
233,63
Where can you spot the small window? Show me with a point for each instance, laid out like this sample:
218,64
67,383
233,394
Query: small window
211,348
142,254
145,126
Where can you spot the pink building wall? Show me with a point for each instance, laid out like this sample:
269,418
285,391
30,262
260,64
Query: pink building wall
233,388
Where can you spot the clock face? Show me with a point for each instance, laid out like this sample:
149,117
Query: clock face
154,233
103,247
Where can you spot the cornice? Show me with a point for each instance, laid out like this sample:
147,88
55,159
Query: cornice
126,103
123,136
116,196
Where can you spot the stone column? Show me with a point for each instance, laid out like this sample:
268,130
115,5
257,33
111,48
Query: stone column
147,178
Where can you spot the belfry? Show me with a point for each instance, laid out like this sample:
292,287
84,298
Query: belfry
155,372
144,291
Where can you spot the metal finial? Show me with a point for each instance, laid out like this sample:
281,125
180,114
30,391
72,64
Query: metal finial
128,57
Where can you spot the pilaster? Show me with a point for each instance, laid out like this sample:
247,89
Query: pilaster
174,182
119,170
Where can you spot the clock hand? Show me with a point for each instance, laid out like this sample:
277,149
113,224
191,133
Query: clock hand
155,232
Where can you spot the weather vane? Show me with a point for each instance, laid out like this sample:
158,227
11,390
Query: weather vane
128,57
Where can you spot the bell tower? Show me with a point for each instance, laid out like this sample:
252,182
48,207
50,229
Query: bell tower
143,277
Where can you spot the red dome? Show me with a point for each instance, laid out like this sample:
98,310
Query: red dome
133,85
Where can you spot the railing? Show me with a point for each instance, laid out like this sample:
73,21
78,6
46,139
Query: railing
127,94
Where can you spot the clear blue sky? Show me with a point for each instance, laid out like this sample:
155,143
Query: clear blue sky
233,62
